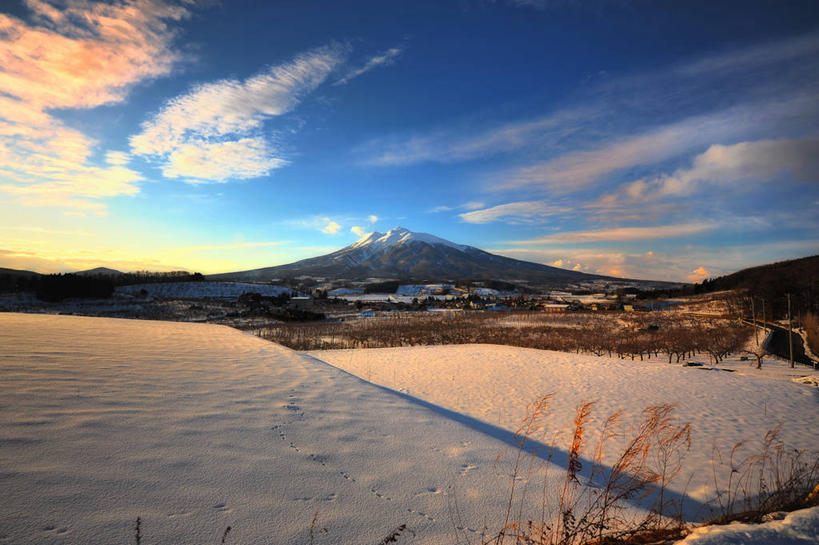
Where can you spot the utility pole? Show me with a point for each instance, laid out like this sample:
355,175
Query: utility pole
753,317
790,330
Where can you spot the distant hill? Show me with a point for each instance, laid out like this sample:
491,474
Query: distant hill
420,257
100,271
17,273
771,283
794,274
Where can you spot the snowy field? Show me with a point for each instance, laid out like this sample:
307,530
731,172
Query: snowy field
196,427
493,383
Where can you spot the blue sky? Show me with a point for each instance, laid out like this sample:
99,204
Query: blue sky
664,140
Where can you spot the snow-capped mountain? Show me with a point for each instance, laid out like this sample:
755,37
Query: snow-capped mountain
405,255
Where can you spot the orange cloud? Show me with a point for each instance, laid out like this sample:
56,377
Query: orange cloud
698,275
78,55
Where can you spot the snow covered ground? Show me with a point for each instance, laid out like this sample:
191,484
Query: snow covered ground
494,383
202,290
796,528
194,427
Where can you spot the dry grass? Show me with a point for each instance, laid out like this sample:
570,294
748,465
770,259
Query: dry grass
581,513
591,509
764,478
810,322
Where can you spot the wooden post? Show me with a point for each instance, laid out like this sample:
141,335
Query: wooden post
790,330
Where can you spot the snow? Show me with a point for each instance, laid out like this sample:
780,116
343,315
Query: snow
423,289
194,427
345,291
797,528
202,290
392,298
494,383
376,242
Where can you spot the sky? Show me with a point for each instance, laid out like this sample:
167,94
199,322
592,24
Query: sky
660,140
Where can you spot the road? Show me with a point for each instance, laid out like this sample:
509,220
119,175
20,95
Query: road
777,343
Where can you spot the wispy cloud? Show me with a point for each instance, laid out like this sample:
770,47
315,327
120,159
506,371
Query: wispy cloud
577,170
79,54
357,230
117,158
632,122
224,119
752,57
675,263
762,160
382,59
621,234
231,246
515,212
471,205
467,143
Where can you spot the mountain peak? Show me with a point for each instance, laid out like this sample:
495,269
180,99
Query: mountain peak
400,235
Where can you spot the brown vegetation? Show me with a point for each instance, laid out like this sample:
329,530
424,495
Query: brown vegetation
644,466
750,482
810,321
754,480
634,336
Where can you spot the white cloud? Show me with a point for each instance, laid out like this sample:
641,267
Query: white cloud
372,218
356,230
471,205
221,161
577,170
331,228
78,54
117,158
227,115
382,59
762,160
515,212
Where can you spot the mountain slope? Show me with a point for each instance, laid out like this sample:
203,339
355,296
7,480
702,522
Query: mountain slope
17,272
405,255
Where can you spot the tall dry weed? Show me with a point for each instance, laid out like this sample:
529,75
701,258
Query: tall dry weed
592,507
765,478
